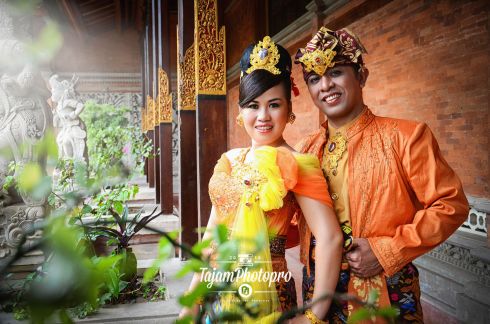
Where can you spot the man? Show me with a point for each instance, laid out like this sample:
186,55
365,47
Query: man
394,194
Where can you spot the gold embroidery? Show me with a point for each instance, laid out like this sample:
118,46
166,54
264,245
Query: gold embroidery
333,152
371,169
250,177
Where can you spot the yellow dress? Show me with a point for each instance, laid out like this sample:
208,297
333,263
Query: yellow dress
255,200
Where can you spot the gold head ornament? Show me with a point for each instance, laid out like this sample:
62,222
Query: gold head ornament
265,56
318,61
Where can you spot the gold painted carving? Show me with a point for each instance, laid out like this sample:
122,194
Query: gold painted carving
150,113
187,81
210,49
143,120
164,99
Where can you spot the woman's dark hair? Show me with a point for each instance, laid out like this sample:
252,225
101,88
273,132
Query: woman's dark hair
259,81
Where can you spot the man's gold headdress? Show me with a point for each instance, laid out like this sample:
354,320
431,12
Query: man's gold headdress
328,48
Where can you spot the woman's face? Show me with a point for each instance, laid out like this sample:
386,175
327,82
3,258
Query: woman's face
266,116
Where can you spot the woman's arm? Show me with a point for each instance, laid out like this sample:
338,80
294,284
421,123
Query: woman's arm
328,254
196,279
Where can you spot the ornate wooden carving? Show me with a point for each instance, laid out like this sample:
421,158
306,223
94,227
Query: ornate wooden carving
210,49
164,99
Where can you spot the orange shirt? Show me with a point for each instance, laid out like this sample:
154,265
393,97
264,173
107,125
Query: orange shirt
403,196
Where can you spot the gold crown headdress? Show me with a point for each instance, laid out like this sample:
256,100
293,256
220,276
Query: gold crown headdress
265,56
328,48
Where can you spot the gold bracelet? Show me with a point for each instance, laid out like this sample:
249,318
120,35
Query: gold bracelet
313,318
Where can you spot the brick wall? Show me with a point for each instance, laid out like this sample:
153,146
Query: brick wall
428,61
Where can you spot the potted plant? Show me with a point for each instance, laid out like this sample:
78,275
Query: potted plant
121,234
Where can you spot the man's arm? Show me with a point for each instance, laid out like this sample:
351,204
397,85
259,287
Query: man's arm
439,191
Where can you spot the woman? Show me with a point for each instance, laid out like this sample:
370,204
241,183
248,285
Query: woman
255,191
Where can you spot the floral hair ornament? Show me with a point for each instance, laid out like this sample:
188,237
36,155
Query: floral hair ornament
265,56
294,87
328,48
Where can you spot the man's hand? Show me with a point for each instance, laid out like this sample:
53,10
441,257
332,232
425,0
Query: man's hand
362,261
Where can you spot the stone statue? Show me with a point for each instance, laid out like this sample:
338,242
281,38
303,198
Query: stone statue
72,136
24,119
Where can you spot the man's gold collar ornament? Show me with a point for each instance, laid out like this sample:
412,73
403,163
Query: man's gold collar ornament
336,146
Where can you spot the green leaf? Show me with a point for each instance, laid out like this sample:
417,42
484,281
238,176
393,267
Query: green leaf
135,189
220,234
199,246
192,265
30,176
185,320
45,47
151,272
165,249
227,251
64,318
86,209
373,296
360,315
229,317
191,298
118,207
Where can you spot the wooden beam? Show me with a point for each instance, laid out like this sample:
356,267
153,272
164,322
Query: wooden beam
100,18
188,199
118,9
98,8
157,142
154,89
165,104
72,17
211,98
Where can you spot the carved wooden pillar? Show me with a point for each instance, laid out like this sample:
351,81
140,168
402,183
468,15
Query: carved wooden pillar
210,68
165,109
154,90
150,93
186,89
144,83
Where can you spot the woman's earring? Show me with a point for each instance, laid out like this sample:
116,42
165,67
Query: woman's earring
291,118
239,120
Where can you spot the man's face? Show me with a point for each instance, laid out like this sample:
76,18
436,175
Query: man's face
338,93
